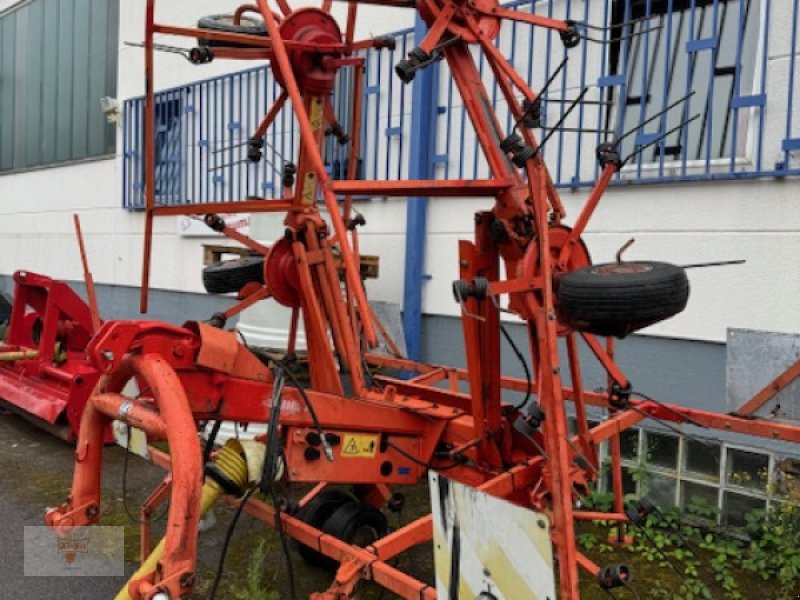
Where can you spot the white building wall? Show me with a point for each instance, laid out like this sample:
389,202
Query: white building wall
36,206
682,223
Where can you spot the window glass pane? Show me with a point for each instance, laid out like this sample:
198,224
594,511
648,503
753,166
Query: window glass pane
66,16
50,97
112,50
703,459
748,469
662,450
699,500
629,443
20,88
628,482
660,489
735,508
80,77
7,44
786,479
33,129
57,59
97,77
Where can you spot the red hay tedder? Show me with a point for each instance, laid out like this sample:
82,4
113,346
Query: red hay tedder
401,427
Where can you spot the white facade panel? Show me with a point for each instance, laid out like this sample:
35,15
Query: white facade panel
681,223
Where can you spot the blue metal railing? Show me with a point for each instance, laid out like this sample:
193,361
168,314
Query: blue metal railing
739,57
202,129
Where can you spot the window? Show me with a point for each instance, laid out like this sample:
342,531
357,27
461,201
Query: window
703,459
709,479
629,443
662,450
688,45
736,507
168,155
57,59
747,469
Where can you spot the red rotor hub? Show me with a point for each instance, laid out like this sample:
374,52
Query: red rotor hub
280,274
578,258
311,26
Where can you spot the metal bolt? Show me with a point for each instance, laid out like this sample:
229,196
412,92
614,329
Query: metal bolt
107,354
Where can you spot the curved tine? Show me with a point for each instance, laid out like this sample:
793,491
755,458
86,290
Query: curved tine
640,149
616,25
660,113
622,37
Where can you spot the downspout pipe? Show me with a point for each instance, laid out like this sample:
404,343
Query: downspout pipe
422,144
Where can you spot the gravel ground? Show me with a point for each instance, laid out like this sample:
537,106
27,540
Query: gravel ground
36,472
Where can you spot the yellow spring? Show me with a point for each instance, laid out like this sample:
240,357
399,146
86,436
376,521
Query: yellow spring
231,463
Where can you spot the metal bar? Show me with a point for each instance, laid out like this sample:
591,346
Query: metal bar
769,391
87,275
352,272
426,187
149,154
205,208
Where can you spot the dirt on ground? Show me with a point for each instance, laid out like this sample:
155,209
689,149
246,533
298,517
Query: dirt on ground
36,473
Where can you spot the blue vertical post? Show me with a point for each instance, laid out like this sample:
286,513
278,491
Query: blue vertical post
423,138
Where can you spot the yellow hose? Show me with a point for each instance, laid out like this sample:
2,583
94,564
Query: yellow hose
231,464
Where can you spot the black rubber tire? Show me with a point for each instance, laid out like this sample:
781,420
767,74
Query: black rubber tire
351,519
316,512
617,299
224,23
232,275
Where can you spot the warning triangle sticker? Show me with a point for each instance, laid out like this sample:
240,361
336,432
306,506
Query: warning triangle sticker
351,447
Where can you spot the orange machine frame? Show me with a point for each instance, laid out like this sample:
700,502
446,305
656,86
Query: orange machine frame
200,372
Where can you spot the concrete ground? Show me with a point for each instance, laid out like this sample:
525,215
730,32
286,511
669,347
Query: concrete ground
35,473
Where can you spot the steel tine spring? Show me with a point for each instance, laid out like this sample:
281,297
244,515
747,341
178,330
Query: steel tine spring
562,119
721,263
231,147
622,38
581,130
640,149
464,311
568,100
616,25
632,590
550,80
649,120
184,52
243,161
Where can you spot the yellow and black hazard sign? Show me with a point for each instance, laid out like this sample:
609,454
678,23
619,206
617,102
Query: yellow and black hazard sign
359,445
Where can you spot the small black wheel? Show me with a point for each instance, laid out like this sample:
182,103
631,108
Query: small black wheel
225,24
232,275
316,512
619,298
356,523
